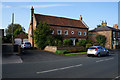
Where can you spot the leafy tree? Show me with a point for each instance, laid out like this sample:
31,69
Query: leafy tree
101,39
98,26
42,35
15,27
81,43
67,42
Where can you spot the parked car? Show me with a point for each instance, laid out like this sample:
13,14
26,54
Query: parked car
26,45
97,51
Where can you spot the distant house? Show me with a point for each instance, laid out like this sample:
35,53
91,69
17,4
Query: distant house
68,28
111,33
22,37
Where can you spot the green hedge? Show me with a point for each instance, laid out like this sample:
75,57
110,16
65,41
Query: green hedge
61,51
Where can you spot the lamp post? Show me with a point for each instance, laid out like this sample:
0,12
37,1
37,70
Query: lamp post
12,32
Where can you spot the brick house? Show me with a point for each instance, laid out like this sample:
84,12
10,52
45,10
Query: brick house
68,28
22,37
112,35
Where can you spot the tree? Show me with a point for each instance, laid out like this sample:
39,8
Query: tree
17,29
101,39
42,35
67,42
98,26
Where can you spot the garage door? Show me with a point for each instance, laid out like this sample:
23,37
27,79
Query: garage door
25,40
18,41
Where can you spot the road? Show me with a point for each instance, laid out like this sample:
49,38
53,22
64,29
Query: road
72,67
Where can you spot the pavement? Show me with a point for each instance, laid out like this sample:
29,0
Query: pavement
55,66
11,58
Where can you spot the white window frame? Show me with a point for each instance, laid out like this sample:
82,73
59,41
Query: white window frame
52,32
79,32
84,33
60,32
72,32
66,33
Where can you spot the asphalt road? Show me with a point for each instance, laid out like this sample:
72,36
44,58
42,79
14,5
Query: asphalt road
64,67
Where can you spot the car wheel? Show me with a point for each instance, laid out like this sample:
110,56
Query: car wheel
88,55
107,54
99,55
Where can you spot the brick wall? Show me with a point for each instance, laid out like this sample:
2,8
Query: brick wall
107,34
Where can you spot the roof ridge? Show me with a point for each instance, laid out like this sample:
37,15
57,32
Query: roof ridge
57,17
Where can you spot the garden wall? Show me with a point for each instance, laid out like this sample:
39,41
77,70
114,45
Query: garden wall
69,48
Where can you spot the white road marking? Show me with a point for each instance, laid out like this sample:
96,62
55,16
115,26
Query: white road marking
116,78
59,69
105,59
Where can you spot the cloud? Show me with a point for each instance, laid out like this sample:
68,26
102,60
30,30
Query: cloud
44,6
6,6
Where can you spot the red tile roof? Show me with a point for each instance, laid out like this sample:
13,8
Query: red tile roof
61,21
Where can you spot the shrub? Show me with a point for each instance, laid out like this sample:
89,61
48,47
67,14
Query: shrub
96,44
61,51
81,43
67,42
88,45
101,39
102,44
59,43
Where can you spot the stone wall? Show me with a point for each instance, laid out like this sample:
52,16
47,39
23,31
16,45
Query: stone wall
69,48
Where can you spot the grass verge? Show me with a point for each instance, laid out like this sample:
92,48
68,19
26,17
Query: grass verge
68,54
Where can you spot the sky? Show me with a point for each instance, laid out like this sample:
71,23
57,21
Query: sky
93,13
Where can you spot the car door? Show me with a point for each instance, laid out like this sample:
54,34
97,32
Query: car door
103,51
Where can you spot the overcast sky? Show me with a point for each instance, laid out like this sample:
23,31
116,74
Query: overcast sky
93,13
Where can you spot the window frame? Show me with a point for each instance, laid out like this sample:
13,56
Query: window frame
60,32
65,31
80,33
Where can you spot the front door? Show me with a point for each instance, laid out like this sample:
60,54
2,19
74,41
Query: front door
73,39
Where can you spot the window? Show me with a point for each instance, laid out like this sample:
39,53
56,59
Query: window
52,32
79,33
66,32
84,33
72,32
113,34
118,34
59,32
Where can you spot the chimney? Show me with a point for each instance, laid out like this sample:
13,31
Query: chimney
104,23
32,13
115,26
81,17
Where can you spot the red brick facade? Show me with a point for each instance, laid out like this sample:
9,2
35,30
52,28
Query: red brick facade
112,36
74,29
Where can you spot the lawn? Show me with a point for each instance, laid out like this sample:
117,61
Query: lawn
78,53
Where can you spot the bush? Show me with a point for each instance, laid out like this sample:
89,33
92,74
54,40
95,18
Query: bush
67,42
96,44
81,43
61,51
59,43
88,45
102,44
101,39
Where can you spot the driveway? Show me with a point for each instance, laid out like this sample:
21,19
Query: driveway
37,55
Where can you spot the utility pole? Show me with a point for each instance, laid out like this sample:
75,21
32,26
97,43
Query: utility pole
12,32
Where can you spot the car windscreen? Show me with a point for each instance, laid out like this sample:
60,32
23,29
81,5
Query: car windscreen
92,48
27,43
